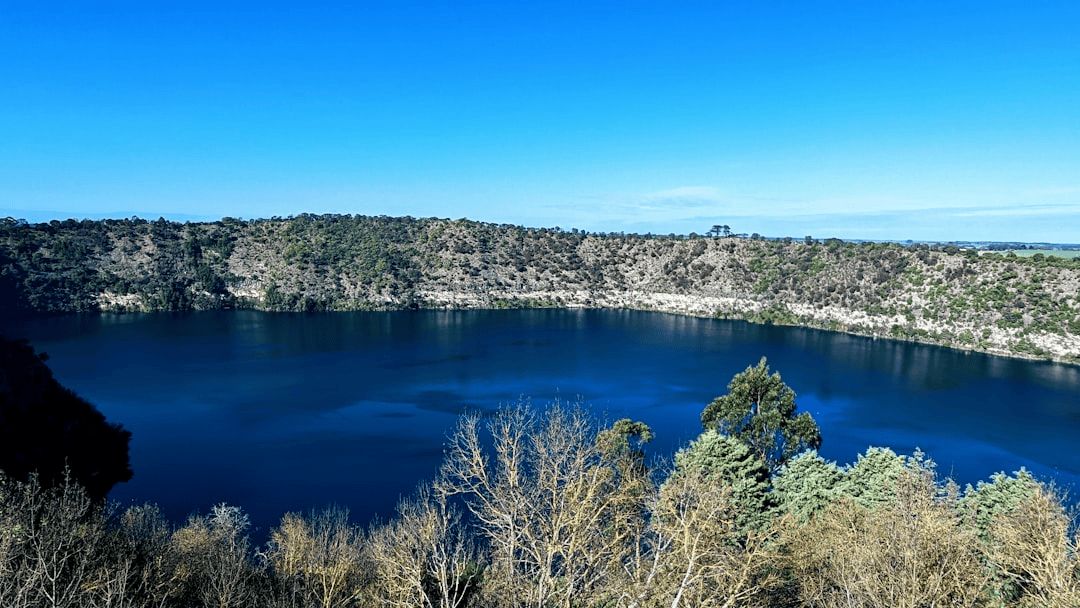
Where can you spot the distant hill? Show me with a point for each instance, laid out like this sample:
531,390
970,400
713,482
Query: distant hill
992,302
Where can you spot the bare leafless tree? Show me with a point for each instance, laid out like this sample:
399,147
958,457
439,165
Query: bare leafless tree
216,562
699,555
17,505
560,515
317,560
425,556
52,543
140,565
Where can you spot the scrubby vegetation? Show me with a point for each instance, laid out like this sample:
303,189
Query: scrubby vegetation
544,507
556,517
999,303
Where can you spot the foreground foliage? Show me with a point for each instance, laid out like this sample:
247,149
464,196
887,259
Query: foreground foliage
553,518
545,508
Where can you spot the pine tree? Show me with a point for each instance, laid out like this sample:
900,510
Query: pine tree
871,481
807,485
725,460
759,411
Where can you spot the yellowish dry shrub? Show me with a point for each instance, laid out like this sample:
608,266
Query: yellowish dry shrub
911,553
1031,547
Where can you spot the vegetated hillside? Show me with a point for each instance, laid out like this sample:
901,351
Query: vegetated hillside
996,303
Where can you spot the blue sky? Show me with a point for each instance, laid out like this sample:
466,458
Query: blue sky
920,120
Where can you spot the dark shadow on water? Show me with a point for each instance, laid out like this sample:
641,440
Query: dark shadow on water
50,433
446,402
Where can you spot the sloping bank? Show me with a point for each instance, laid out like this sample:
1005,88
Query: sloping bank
994,303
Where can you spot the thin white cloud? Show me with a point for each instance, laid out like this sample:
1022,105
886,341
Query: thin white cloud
1054,191
1047,215
1019,210
673,204
694,193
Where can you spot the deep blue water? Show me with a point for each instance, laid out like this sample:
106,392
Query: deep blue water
279,412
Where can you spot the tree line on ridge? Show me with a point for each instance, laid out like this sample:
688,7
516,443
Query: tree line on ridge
986,301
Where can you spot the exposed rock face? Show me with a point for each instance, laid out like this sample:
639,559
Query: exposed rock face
992,303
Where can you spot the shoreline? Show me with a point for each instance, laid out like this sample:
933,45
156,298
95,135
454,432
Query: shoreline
704,307
1003,305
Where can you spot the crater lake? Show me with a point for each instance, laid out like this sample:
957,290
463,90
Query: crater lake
278,412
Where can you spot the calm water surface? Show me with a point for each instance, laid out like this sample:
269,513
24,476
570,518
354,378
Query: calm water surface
279,412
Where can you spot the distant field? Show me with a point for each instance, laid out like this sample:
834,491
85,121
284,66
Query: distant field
1027,253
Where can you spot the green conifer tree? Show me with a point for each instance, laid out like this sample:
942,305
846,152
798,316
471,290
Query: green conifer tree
806,485
721,458
988,501
871,481
759,411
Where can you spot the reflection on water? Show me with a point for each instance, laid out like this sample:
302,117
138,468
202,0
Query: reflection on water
277,412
